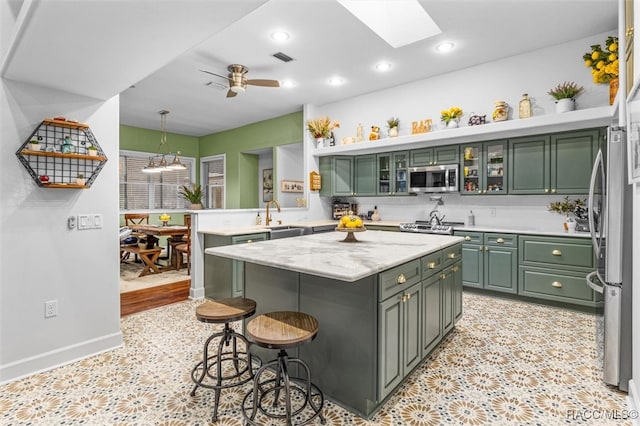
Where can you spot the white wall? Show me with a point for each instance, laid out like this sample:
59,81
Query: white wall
289,167
41,259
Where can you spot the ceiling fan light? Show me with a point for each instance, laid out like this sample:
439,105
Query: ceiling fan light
288,83
237,89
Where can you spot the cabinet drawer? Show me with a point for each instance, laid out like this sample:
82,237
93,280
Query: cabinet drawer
399,278
452,254
572,253
431,264
469,237
250,238
501,240
554,285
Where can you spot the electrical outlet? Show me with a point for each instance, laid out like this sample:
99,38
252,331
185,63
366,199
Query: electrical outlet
50,308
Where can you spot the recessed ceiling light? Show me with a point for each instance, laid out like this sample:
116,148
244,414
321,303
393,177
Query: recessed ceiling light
445,46
383,66
287,83
336,81
280,36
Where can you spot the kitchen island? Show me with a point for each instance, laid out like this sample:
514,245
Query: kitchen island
383,303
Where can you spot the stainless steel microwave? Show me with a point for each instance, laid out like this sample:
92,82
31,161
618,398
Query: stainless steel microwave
441,178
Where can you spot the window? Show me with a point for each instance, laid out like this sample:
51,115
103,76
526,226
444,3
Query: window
145,191
213,172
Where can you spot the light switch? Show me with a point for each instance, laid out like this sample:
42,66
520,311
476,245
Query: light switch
97,221
83,221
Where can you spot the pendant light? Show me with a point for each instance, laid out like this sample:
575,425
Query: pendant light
161,164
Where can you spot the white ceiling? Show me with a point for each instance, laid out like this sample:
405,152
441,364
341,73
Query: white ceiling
160,46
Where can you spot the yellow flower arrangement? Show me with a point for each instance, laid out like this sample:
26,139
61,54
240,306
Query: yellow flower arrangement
321,127
603,63
453,113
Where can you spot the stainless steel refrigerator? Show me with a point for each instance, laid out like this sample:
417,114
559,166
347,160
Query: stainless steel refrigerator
610,214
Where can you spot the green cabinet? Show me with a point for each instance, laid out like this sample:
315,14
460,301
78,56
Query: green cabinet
400,336
431,313
365,175
392,172
490,261
484,168
337,176
552,164
224,277
554,268
449,154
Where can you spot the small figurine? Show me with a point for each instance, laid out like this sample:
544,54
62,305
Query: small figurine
375,133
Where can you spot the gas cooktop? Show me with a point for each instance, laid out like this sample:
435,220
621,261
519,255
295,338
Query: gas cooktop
422,226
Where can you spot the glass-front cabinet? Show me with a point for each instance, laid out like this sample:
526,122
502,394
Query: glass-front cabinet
392,173
484,168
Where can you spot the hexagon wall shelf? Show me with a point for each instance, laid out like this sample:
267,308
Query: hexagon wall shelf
67,155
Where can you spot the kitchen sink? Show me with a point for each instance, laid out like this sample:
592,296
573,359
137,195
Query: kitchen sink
285,231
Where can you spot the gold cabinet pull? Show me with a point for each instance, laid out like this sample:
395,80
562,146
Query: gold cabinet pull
454,269
467,238
556,252
480,248
452,256
431,265
553,191
443,276
486,248
249,241
403,298
500,241
556,284
546,190
401,279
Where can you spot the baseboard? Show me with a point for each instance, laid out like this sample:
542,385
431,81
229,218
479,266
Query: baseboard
633,403
59,357
196,293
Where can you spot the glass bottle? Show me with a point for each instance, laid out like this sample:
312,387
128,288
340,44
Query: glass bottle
525,106
359,133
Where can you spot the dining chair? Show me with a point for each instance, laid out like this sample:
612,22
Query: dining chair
185,247
131,219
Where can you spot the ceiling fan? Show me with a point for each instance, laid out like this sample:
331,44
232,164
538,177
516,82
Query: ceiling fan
238,81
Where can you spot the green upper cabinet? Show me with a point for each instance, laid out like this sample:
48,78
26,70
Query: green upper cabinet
484,168
365,175
448,154
337,176
552,164
392,172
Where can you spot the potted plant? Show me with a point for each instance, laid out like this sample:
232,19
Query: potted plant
321,128
604,65
193,195
451,117
568,208
565,95
92,150
34,145
393,124
80,179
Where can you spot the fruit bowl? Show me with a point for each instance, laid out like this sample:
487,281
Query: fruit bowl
350,238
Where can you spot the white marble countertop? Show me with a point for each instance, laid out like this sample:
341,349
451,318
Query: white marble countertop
522,230
327,256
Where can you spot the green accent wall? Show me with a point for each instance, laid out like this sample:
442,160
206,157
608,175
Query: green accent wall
242,169
146,140
236,144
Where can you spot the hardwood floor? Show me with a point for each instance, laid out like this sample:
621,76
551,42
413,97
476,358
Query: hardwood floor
153,297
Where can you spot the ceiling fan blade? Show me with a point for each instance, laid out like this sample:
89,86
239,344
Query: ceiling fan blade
264,83
213,73
231,94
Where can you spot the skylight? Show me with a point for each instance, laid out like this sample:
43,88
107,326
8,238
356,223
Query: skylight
398,22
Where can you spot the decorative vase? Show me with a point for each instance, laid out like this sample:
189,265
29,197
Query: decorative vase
565,105
453,123
34,146
319,142
393,132
613,90
195,206
500,111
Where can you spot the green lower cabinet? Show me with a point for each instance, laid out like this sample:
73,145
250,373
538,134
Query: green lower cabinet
490,261
431,314
448,290
456,270
400,336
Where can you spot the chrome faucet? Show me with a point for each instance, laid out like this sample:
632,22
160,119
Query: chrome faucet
268,216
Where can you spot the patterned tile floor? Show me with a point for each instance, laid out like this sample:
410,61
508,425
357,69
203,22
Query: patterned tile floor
507,362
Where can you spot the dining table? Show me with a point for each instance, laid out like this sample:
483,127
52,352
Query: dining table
152,232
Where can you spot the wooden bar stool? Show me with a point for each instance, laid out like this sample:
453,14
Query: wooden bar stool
203,374
283,330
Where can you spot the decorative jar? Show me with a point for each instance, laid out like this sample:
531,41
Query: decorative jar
500,111
454,123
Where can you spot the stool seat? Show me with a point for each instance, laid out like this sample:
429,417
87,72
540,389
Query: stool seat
281,330
225,310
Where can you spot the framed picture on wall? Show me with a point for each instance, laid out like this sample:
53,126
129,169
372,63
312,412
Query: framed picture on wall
267,185
291,186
